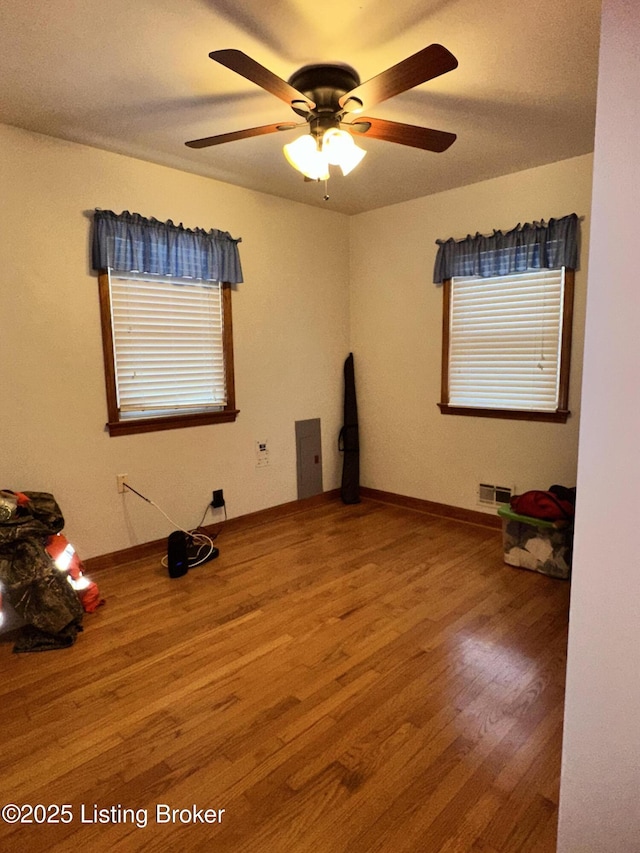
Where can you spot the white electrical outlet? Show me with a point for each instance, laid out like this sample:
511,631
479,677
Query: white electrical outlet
122,479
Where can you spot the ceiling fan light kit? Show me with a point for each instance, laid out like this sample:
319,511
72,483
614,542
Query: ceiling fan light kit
325,95
313,157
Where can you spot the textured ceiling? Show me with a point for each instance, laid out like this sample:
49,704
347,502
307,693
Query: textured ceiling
136,78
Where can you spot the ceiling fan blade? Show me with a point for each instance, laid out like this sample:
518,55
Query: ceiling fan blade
424,65
251,70
243,134
403,134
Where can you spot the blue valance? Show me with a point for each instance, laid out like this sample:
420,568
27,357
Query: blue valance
128,242
537,245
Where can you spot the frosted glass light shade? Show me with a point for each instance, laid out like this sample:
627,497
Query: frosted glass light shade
303,155
341,150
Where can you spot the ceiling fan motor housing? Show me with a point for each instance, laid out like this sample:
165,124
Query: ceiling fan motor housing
325,85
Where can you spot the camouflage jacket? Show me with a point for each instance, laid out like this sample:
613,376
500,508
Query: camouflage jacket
38,591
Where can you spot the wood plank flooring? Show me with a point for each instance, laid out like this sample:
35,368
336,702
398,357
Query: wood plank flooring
348,678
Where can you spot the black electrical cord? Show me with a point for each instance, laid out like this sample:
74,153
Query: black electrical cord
206,510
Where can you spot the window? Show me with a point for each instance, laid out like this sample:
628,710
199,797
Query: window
165,306
506,345
168,351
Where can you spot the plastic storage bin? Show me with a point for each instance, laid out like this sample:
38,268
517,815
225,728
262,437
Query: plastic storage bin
535,544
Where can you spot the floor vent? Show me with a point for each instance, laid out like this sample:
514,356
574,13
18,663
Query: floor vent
494,495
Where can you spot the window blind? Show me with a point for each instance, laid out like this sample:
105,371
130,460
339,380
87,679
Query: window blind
168,344
505,341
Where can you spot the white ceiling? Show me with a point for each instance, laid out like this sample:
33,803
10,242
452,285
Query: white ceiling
134,76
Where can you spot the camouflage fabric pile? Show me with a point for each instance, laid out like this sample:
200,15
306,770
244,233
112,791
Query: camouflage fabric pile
36,589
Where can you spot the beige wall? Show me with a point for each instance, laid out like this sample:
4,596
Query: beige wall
290,322
408,447
295,319
600,790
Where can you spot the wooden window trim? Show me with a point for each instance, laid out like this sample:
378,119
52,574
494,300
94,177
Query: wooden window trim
132,426
562,412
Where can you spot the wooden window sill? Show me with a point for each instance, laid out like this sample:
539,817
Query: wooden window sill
131,427
560,416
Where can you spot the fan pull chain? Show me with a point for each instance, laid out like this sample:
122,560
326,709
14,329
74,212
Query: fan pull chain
325,197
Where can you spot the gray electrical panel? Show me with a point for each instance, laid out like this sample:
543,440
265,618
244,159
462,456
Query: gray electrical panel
309,458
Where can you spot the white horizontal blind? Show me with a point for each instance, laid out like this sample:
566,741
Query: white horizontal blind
505,341
168,345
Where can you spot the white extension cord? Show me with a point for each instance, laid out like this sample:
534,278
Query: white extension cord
204,542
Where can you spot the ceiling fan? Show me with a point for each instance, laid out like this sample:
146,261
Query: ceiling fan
325,96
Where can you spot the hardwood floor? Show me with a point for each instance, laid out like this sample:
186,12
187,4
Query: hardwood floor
349,678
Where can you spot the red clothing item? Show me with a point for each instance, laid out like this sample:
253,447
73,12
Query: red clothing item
90,598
